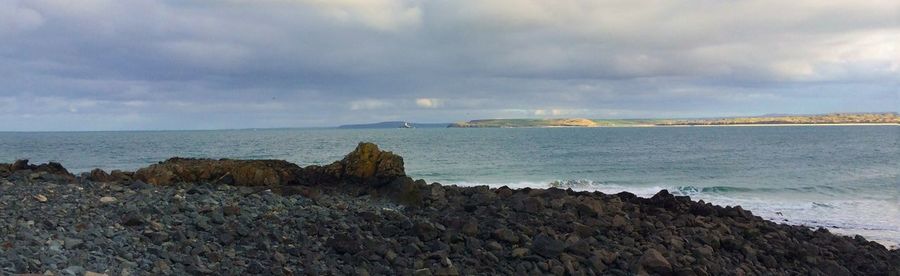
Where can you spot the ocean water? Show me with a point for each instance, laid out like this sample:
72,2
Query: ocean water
845,178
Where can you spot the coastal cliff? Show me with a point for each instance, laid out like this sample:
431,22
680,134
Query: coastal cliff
363,215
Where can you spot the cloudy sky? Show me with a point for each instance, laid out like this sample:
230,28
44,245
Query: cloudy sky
110,65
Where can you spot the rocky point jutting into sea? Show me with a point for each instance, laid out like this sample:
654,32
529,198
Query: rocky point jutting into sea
363,215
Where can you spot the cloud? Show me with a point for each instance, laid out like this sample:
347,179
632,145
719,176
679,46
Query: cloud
428,102
315,62
383,15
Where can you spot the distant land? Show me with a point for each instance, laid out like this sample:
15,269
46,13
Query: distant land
395,124
821,119
832,118
570,122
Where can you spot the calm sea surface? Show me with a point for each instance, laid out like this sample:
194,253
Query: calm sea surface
846,178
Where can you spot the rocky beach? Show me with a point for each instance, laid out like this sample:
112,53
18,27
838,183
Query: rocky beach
363,215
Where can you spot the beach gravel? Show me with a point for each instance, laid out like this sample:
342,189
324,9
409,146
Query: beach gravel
373,220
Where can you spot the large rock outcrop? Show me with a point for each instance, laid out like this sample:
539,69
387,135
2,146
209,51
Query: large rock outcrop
367,167
51,170
222,171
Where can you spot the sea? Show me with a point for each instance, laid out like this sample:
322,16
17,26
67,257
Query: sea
843,178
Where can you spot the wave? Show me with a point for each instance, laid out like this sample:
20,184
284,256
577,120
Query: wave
583,184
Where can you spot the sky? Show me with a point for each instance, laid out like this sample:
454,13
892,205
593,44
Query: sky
133,65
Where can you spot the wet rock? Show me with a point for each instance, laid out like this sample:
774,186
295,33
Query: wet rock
231,210
50,171
344,243
506,235
519,252
470,228
133,219
547,246
368,164
533,204
654,262
241,172
72,243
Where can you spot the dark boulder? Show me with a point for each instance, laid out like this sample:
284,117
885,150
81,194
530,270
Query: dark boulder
547,246
48,171
652,261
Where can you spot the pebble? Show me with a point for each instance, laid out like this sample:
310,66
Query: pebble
40,198
107,199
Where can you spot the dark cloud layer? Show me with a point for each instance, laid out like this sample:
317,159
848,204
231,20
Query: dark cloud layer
105,64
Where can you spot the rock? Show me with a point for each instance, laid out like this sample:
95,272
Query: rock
107,199
98,175
447,270
597,263
91,273
344,243
619,221
40,198
73,270
72,243
494,246
519,252
422,272
654,262
506,235
426,231
18,165
49,171
470,228
243,172
162,267
546,246
133,219
533,204
390,255
231,210
368,164
589,207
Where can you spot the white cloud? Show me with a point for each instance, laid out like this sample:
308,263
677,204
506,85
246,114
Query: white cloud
383,15
428,102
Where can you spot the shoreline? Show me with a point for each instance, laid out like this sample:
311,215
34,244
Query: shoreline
363,215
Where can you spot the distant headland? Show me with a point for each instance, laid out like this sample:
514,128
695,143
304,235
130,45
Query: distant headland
395,124
821,119
875,118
